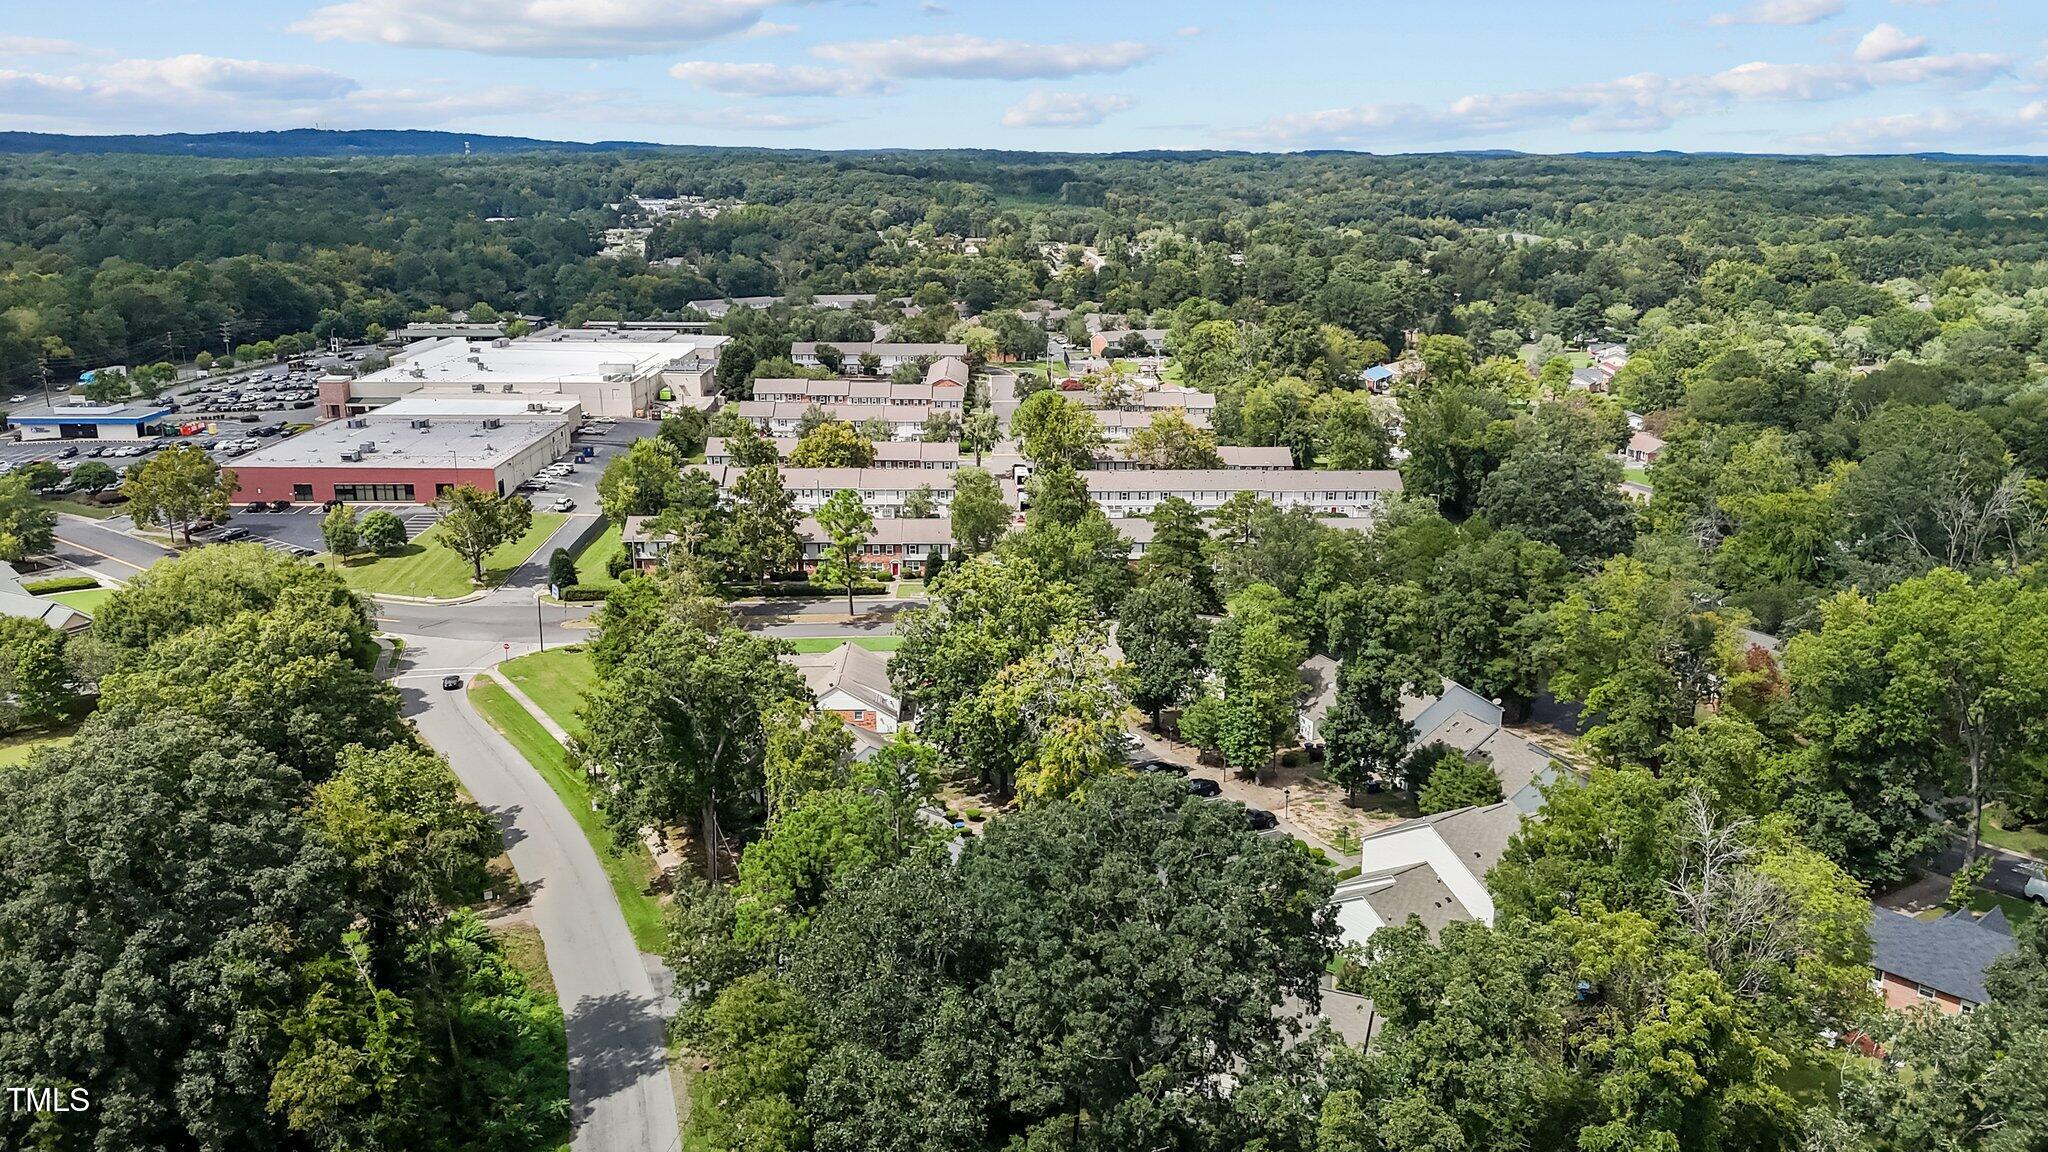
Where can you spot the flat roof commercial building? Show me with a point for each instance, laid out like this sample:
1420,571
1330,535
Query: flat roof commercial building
88,421
405,458
608,374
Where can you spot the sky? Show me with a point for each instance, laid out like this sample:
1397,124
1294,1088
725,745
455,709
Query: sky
1055,75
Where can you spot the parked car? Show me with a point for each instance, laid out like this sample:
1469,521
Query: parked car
280,505
1151,766
68,452
16,399
563,504
256,506
1260,819
1205,788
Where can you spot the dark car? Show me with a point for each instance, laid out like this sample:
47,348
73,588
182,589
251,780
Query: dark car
1148,764
1205,788
451,682
249,418
257,506
228,534
280,505
67,453
1260,819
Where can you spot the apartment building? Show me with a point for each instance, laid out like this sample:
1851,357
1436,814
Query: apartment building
1136,492
805,352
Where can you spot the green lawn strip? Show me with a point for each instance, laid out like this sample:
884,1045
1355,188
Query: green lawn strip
1636,476
590,563
814,644
424,567
629,866
2027,841
15,750
557,680
86,600
81,508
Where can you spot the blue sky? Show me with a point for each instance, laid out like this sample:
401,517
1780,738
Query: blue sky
1376,75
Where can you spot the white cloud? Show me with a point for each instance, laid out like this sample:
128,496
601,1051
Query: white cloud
1933,130
1189,30
1640,103
535,27
38,46
1063,110
776,79
978,58
1886,42
766,28
1792,12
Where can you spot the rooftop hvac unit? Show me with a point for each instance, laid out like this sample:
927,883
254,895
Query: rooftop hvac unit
366,446
351,457
422,424
477,387
506,388
476,360
358,422
494,422
501,342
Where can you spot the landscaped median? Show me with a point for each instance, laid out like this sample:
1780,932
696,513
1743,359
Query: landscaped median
628,865
427,568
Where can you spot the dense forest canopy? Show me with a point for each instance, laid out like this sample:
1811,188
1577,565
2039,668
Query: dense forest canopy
115,259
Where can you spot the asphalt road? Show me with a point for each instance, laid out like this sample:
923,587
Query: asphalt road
619,1088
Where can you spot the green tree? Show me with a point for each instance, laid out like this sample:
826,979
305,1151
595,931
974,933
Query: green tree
1939,668
760,537
475,523
1459,782
1171,440
676,724
1633,647
847,524
1486,604
978,513
1162,634
1179,551
1571,500
561,568
34,680
27,526
94,477
159,889
1055,431
383,532
1364,734
980,430
641,481
412,844
341,532
833,444
177,488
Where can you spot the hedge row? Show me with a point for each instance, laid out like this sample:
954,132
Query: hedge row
579,593
58,584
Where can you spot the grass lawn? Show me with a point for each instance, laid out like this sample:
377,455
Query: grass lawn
72,507
1636,476
15,750
630,868
86,600
590,563
812,644
2028,841
557,680
425,568
910,587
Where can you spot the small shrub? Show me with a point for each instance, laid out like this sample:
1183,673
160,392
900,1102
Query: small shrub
582,593
58,584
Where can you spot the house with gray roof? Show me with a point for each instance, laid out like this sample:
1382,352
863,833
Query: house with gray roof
1938,963
1432,869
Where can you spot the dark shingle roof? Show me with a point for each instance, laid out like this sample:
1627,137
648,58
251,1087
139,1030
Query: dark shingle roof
1948,955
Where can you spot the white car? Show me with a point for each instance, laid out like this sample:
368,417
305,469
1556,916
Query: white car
16,399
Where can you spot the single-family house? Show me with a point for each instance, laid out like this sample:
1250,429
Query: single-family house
1643,449
854,683
1433,868
1938,963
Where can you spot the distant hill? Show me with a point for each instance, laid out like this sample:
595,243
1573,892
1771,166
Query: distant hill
306,142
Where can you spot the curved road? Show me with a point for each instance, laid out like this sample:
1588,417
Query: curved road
613,996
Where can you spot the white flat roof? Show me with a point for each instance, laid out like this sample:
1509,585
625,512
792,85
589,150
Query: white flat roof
448,443
455,405
458,361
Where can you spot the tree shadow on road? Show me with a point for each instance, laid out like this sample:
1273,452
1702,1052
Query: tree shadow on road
615,1042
